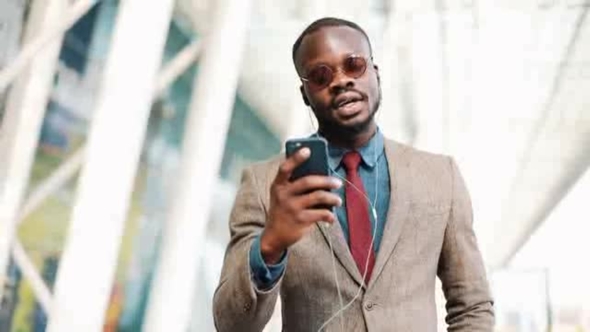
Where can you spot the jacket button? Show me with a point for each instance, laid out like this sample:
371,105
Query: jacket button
369,306
247,307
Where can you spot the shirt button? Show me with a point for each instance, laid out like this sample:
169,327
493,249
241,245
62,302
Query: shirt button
369,306
247,306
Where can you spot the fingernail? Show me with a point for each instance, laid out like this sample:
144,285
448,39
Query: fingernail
305,152
339,201
337,182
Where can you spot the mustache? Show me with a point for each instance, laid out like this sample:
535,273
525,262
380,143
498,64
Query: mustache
362,95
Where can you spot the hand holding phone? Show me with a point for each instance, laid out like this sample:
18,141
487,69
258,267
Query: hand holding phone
300,196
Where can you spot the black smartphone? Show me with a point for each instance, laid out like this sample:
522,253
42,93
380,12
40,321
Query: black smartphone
317,163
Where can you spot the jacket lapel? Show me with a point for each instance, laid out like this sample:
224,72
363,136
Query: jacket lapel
399,175
333,233
396,216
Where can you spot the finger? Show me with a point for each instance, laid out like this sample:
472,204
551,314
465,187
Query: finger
311,216
320,198
287,167
314,182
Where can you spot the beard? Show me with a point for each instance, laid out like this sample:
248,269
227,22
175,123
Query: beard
330,127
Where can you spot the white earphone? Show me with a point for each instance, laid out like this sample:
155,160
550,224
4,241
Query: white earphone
374,212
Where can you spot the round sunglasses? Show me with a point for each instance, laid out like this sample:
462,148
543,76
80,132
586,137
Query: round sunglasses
320,76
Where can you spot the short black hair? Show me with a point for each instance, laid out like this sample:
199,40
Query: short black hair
328,22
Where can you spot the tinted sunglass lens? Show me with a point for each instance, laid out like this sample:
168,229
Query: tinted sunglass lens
355,66
320,76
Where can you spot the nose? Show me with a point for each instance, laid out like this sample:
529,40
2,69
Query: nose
341,82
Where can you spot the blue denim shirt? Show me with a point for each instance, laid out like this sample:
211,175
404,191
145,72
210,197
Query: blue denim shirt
374,172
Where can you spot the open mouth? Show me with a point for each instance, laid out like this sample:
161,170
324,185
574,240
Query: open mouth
348,105
346,101
349,109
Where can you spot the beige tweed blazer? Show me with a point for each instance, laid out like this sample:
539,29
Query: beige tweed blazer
428,233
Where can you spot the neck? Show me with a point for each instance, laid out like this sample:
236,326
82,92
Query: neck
349,140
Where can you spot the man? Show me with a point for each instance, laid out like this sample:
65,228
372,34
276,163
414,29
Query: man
402,218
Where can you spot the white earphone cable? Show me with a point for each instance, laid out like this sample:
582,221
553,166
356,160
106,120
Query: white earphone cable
336,280
375,216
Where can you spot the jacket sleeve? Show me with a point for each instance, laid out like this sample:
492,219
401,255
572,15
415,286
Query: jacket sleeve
461,270
264,275
238,305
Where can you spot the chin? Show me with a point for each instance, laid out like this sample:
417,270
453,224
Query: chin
352,126
358,119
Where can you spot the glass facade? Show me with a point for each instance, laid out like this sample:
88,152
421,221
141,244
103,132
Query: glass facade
64,131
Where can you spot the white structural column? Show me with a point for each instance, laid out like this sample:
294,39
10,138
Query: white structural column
11,21
171,299
176,67
22,122
88,264
51,33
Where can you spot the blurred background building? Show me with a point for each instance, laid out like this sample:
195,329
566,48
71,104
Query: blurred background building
125,126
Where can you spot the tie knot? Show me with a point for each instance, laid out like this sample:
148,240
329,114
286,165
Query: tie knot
351,161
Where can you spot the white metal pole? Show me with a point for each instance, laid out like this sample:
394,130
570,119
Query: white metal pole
171,298
70,167
176,67
53,183
52,32
11,24
87,268
21,125
31,274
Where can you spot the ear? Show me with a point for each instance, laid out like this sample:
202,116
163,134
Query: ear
377,72
304,96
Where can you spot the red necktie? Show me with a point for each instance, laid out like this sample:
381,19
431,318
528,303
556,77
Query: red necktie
357,212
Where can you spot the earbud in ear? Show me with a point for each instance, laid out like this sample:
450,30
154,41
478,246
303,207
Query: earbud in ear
305,99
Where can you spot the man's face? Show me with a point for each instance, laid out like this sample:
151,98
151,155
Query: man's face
346,104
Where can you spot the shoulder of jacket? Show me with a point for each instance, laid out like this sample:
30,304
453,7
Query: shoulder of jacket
265,171
413,153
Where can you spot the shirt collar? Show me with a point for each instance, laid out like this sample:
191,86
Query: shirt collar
369,152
